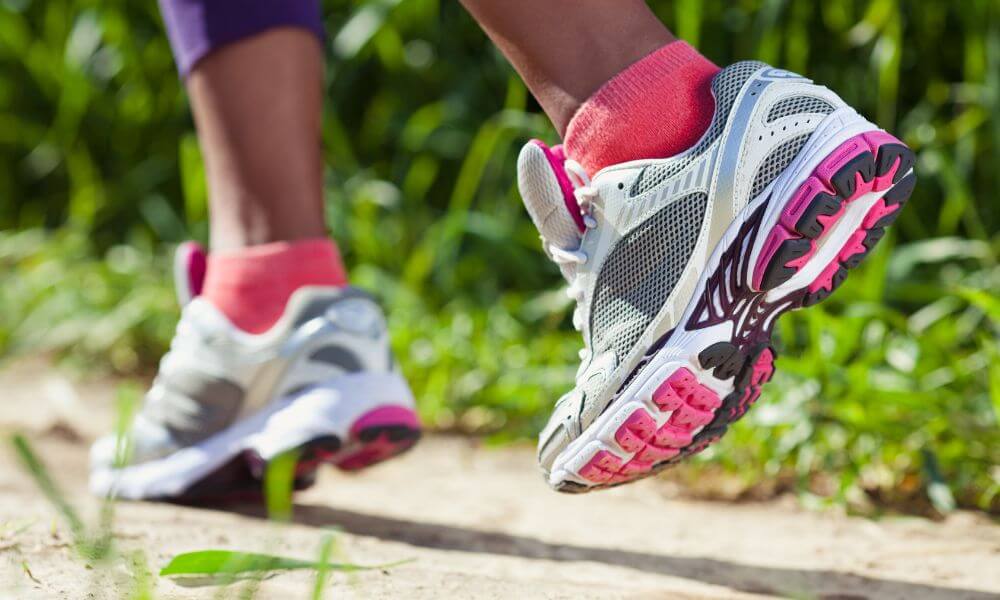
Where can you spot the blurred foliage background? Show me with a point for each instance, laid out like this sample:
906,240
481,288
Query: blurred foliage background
887,395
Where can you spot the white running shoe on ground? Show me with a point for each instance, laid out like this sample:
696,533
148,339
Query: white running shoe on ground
680,266
322,382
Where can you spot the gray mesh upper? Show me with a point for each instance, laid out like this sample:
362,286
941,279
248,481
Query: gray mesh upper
725,87
192,404
641,270
776,162
799,105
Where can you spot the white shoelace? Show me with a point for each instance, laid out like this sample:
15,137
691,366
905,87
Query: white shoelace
585,195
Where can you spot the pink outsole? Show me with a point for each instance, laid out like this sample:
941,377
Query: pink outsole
821,182
377,435
763,370
690,405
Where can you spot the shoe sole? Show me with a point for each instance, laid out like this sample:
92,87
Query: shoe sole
378,435
826,227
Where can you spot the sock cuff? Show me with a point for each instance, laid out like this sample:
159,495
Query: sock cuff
655,108
302,262
251,286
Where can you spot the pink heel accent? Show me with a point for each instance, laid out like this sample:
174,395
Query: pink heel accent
380,434
386,416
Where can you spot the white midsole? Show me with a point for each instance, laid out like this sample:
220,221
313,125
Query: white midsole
835,129
329,408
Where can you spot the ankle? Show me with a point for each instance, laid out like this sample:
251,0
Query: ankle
596,59
246,228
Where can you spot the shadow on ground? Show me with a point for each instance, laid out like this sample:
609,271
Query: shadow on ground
799,583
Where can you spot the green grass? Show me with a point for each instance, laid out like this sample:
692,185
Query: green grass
97,546
889,399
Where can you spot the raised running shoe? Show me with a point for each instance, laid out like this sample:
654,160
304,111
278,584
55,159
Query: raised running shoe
321,382
680,266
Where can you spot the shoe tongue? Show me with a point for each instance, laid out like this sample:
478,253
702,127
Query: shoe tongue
548,194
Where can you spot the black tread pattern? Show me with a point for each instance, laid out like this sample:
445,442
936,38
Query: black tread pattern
724,358
776,272
844,181
887,156
824,205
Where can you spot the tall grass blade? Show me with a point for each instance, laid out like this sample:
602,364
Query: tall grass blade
40,474
279,478
322,569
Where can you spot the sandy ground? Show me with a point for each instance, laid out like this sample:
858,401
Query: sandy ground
477,523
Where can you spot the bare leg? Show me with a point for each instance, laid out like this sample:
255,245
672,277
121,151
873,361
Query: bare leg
257,104
566,49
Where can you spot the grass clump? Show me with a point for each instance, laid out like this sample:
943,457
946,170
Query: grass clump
99,550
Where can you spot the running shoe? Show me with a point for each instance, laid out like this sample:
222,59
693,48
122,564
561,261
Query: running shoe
321,382
680,266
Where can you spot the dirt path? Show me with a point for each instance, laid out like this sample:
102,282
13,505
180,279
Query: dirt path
479,523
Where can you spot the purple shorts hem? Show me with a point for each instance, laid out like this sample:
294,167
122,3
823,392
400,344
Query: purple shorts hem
197,27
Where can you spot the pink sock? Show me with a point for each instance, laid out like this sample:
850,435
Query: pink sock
252,285
657,107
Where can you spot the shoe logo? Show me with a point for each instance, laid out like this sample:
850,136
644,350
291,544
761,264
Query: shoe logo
694,177
599,368
356,317
772,73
